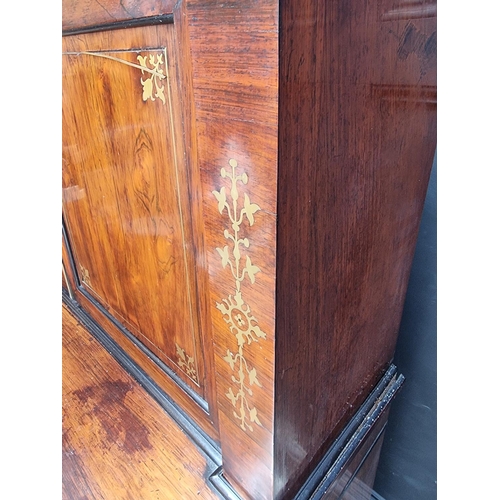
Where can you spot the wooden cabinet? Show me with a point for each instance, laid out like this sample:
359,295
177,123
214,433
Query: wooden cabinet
242,187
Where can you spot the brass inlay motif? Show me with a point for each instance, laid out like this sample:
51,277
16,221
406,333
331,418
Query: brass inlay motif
85,276
186,363
151,84
128,63
236,312
151,89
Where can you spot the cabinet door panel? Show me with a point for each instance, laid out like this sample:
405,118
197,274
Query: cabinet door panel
127,195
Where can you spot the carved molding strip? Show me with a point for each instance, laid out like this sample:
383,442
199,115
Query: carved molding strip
236,312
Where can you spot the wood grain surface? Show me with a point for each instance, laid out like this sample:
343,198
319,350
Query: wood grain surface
356,141
234,56
129,203
117,442
132,256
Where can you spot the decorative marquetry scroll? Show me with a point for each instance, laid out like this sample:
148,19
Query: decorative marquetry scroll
236,311
186,363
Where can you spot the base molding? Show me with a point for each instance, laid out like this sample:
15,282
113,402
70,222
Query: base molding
355,444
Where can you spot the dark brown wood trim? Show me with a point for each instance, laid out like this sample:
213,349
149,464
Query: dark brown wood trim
80,14
131,23
222,486
352,437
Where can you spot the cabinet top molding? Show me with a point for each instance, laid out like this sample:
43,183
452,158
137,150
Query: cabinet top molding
84,15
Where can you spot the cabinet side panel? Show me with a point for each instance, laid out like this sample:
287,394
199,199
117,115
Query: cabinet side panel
234,60
357,108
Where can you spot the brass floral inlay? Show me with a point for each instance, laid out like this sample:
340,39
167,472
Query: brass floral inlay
236,312
186,363
151,87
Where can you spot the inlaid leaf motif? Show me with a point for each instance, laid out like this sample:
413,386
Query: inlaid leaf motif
151,87
221,198
160,94
231,396
180,353
251,269
252,377
250,209
229,359
254,417
85,275
186,362
147,89
224,253
258,332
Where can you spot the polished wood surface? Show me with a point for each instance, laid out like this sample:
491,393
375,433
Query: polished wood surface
357,138
129,203
291,163
235,82
78,14
133,257
117,442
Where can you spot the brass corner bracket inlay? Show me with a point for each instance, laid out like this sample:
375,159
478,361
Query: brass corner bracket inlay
236,312
151,84
151,88
186,363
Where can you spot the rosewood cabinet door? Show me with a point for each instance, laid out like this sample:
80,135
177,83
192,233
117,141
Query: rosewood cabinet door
129,196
